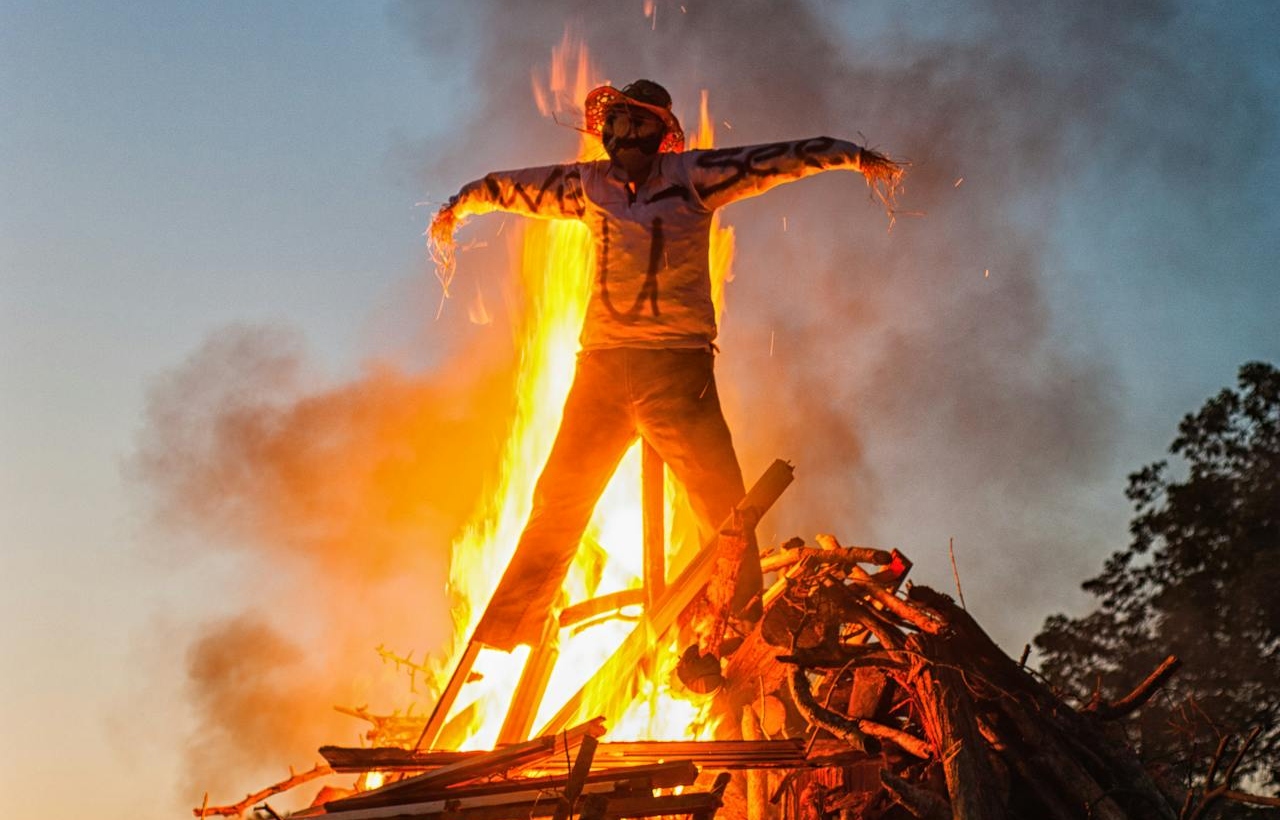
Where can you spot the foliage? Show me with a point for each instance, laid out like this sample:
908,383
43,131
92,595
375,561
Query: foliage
1200,579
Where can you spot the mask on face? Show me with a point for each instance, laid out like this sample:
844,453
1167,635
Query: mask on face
626,127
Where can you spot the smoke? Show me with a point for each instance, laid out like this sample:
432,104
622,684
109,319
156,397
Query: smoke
335,506
922,379
258,684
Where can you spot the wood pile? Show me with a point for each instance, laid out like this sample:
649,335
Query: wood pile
957,728
848,697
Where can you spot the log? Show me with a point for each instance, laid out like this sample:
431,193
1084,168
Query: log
920,802
950,723
757,782
577,779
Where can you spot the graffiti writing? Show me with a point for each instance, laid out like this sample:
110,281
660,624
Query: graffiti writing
563,185
739,164
648,291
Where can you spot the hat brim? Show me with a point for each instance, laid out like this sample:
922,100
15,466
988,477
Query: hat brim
601,99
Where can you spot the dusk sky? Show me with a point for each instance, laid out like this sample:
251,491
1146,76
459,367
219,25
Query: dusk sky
213,213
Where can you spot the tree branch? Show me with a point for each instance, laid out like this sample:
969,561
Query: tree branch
238,809
1139,696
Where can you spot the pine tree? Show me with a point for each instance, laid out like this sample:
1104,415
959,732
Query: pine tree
1200,579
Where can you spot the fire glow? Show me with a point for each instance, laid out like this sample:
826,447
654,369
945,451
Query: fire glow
555,265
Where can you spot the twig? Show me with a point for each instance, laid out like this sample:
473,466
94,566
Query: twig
1213,792
951,548
1246,797
237,809
270,812
1139,696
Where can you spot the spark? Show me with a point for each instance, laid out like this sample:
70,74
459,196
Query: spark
958,181
986,274
784,224
727,124
772,334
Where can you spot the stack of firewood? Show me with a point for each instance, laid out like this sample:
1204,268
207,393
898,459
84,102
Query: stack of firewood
843,696
955,727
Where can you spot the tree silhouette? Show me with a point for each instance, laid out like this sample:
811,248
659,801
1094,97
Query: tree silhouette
1200,579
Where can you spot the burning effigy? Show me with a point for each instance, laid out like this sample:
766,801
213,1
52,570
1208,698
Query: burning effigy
623,646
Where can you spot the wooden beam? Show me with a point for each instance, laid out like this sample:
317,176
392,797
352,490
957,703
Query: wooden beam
489,763
653,502
712,754
577,779
594,607
532,685
653,776
536,804
616,681
445,702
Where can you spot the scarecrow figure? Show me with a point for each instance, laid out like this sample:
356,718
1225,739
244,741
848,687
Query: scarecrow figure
646,364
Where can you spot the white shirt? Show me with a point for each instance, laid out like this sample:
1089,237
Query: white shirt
652,281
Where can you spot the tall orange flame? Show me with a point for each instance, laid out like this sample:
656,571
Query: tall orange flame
555,269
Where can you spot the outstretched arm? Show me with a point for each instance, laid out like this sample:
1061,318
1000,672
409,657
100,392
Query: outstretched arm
549,192
724,175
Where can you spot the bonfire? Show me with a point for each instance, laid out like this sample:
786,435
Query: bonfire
847,693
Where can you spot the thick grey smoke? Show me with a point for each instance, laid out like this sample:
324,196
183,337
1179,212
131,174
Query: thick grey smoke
336,505
918,378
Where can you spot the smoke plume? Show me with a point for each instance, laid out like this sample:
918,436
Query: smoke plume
336,506
920,378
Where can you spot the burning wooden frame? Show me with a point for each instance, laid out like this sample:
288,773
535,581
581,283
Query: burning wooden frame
846,698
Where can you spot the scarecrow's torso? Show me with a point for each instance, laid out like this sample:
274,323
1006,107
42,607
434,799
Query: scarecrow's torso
651,282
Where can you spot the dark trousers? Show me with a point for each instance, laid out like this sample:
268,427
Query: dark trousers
669,397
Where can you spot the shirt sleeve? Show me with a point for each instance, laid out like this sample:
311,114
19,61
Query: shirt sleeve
548,192
723,175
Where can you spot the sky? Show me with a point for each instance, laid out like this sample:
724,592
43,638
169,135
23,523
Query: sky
236,441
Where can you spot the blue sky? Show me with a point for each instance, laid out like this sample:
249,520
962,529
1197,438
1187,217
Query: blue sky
171,169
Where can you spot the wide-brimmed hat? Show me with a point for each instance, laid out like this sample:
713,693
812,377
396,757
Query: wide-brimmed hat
644,94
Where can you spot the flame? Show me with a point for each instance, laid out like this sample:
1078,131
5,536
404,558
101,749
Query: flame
555,269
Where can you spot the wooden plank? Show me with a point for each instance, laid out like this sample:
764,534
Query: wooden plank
617,679
388,759
653,776
713,754
489,763
441,710
577,779
535,804
653,504
532,685
585,610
